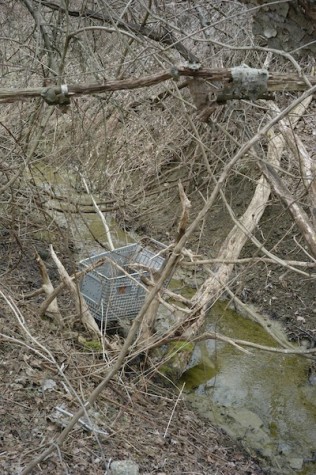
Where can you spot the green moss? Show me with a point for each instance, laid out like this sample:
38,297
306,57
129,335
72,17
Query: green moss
199,374
90,345
273,429
202,370
176,359
176,346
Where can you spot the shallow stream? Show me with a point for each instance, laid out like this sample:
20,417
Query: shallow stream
263,399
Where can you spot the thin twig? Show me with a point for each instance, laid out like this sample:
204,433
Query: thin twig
100,214
250,344
173,409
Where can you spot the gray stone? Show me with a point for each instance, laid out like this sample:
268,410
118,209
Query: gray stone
296,463
124,467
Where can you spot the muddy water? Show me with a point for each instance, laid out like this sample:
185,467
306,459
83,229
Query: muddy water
263,399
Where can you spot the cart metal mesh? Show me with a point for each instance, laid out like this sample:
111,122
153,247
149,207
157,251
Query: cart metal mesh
113,293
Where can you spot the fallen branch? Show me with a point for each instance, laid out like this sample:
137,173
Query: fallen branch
52,308
62,285
209,293
259,244
307,163
238,343
81,306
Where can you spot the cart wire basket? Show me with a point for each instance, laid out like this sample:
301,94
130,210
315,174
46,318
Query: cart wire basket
114,289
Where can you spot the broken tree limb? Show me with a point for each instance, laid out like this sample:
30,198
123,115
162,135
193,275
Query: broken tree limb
81,306
203,299
52,309
184,218
148,322
231,248
238,344
260,246
212,288
62,285
245,260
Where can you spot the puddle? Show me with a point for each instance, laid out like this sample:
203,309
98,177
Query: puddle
262,399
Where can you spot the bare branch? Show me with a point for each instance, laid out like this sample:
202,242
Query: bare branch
100,214
296,210
164,37
276,82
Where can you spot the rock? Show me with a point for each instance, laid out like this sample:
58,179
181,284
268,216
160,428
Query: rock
284,448
124,467
286,26
296,463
